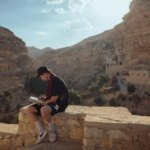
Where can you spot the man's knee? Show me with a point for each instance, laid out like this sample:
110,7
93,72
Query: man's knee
45,110
30,110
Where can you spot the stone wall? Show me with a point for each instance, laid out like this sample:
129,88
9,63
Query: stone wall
98,128
132,133
9,138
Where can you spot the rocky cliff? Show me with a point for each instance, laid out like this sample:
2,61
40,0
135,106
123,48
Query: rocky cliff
34,52
137,31
80,63
14,61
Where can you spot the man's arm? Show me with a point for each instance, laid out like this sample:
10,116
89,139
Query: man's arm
52,100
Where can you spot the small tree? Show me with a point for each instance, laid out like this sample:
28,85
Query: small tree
93,88
74,98
7,108
18,106
5,120
99,101
123,97
101,80
7,93
112,102
131,88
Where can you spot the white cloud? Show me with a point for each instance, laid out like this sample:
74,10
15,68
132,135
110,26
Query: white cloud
78,25
40,33
53,1
78,5
45,11
60,10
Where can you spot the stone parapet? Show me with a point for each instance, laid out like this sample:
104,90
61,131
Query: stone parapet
69,124
9,137
97,128
132,133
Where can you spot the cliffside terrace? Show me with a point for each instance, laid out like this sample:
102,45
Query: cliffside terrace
81,127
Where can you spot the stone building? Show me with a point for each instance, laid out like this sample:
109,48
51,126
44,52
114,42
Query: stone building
136,77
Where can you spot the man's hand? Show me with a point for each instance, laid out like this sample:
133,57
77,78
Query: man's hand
41,98
44,103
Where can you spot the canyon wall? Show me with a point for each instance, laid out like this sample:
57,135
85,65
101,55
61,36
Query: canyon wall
15,64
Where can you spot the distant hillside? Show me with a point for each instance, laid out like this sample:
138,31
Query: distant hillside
34,52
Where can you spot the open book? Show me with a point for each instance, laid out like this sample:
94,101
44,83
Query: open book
35,99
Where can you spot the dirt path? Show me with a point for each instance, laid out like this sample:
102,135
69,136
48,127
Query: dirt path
63,145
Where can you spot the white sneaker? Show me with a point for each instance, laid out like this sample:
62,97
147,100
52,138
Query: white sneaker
41,136
52,135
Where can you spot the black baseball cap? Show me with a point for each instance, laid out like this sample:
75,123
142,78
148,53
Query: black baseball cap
42,70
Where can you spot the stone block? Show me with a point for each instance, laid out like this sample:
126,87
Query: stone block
5,144
89,142
17,142
61,134
107,144
91,132
105,123
58,122
117,135
7,137
30,141
76,134
72,122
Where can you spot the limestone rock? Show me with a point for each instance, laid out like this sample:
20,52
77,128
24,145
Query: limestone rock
5,144
117,134
15,64
76,134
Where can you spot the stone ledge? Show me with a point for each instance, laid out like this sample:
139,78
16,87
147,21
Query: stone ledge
8,128
112,121
79,112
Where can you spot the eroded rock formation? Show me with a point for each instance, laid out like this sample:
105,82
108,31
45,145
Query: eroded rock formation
14,62
78,64
129,40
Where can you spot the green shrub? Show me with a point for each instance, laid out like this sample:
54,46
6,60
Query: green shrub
101,80
123,97
131,88
74,98
7,93
4,120
99,101
112,102
7,108
118,104
130,98
16,120
18,106
93,88
1,95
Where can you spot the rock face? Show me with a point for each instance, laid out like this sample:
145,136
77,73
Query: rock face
78,64
137,31
14,63
34,52
14,60
129,41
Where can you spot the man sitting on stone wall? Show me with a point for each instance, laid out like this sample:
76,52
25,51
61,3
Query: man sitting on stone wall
56,101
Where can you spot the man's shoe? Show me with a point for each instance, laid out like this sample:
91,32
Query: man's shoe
41,136
52,135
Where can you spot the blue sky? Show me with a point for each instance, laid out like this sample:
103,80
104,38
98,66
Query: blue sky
60,23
